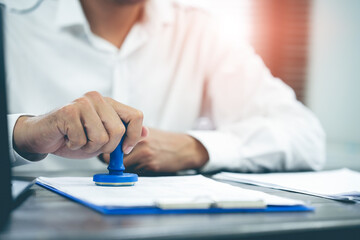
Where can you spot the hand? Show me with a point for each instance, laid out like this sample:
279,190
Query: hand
88,126
165,152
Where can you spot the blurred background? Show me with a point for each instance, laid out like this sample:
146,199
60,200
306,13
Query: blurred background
313,46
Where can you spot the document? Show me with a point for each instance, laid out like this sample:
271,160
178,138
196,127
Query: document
342,184
180,192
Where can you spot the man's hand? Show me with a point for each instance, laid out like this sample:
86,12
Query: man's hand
88,126
165,152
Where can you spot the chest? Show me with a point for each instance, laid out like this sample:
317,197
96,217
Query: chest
50,69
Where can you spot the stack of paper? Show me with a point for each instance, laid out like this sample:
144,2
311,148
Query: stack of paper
185,192
342,184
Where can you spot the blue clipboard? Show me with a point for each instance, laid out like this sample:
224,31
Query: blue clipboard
155,210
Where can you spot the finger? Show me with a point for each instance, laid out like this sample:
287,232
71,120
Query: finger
144,132
148,167
130,163
133,132
134,120
104,157
135,157
110,120
94,128
72,129
145,170
142,167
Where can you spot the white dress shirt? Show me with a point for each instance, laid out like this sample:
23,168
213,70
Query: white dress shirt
177,68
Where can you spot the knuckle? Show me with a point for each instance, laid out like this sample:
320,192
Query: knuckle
116,132
139,115
122,129
94,95
108,149
82,101
69,111
107,99
148,153
80,142
102,139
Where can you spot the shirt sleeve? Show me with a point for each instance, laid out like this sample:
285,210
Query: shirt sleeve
259,126
15,158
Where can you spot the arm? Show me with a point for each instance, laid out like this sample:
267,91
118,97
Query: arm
15,158
88,126
260,126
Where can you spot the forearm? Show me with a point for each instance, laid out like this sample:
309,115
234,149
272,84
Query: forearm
22,144
260,126
262,144
15,157
194,153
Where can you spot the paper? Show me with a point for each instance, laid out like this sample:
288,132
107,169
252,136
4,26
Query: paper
183,192
342,184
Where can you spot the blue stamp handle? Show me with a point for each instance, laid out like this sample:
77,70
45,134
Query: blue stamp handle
116,165
116,176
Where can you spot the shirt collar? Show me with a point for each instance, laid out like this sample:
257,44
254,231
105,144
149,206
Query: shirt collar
70,13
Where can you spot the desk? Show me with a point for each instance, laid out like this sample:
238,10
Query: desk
46,215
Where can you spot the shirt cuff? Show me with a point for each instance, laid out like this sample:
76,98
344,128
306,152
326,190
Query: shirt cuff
222,147
15,158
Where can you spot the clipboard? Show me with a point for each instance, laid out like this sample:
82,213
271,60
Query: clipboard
108,210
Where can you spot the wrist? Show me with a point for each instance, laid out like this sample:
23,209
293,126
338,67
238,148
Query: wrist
22,142
199,156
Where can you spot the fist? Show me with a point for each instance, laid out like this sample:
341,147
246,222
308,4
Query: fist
90,125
